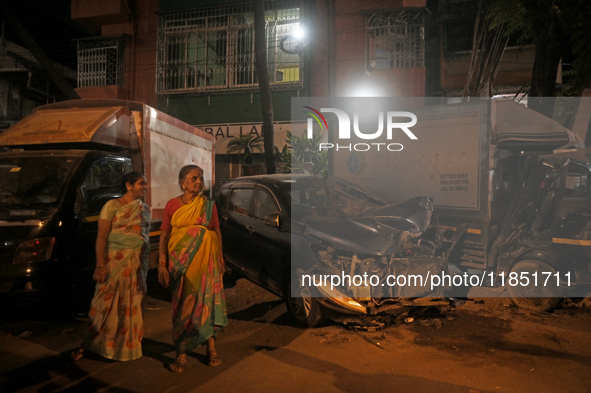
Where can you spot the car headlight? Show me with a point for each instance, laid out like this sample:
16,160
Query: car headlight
344,301
35,250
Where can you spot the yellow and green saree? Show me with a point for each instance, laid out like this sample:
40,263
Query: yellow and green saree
198,302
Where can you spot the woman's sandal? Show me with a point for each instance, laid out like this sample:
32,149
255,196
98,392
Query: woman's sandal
177,365
213,359
77,354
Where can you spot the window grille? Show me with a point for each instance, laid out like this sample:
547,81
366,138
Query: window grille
101,61
396,40
212,48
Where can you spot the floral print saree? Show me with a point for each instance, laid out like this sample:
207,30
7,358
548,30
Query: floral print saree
115,324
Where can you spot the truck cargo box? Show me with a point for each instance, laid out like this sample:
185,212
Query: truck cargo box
158,144
454,156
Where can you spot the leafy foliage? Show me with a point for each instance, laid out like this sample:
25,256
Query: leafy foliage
245,146
283,155
305,154
560,25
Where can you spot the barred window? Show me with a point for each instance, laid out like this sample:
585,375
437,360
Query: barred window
213,48
101,61
396,40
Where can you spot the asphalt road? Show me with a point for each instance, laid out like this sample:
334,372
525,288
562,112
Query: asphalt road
485,346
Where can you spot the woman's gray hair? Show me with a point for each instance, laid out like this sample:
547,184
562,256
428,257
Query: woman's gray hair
185,171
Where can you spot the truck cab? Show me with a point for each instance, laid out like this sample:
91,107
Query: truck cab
49,206
547,229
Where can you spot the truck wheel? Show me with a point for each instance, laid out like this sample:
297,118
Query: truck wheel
534,297
303,308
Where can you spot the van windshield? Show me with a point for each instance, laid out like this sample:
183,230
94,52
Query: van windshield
33,180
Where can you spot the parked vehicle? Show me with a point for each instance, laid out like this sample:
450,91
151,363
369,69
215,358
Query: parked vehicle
278,228
517,181
61,164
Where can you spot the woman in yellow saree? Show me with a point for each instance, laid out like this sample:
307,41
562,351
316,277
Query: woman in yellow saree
191,260
115,325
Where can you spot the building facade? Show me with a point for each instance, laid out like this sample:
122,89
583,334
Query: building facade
195,59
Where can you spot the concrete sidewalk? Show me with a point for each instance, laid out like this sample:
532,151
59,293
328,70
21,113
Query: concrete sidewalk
17,353
482,349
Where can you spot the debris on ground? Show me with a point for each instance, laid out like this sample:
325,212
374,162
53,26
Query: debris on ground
541,314
584,303
371,340
430,316
360,323
431,322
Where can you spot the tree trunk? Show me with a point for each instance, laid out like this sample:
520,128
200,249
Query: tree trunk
487,49
260,53
548,54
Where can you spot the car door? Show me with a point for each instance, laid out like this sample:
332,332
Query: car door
234,220
270,245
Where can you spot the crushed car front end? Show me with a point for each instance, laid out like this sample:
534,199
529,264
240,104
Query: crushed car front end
357,255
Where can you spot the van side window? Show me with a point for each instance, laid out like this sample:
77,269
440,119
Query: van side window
102,183
103,173
240,200
577,181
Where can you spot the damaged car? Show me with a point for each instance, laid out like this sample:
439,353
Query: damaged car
329,248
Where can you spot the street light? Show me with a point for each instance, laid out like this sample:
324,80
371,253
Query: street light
294,43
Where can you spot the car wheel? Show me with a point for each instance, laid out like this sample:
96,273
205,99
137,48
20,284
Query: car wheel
303,308
534,296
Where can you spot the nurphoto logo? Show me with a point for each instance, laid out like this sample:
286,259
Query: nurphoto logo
344,129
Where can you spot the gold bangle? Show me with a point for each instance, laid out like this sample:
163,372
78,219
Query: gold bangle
99,266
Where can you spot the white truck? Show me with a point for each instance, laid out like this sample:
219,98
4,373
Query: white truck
59,166
515,182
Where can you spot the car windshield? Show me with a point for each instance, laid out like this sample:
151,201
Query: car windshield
333,198
33,180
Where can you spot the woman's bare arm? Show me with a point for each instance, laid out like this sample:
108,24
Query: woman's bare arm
104,227
163,276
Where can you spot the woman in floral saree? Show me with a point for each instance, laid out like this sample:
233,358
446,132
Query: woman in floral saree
191,260
115,324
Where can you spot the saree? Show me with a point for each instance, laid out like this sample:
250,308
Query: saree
115,325
198,302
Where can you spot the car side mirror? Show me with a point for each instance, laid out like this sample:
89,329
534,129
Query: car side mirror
272,220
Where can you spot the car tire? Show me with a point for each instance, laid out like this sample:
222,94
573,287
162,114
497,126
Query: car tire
303,308
537,298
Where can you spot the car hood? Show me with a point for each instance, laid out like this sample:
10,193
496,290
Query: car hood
378,231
